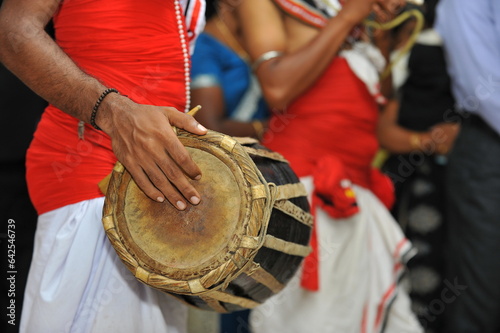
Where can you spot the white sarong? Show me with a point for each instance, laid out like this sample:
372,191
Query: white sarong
360,263
77,283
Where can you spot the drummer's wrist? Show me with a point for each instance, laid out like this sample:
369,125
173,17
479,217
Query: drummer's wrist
109,106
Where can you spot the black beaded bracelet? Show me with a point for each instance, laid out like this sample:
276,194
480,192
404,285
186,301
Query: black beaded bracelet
96,106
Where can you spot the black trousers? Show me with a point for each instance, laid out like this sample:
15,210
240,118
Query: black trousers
472,296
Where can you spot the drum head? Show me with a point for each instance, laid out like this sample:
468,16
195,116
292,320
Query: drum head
158,242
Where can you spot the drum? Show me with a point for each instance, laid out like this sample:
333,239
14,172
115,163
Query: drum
238,247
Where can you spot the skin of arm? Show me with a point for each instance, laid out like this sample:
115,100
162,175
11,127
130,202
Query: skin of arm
225,28
397,139
264,30
144,142
213,114
393,137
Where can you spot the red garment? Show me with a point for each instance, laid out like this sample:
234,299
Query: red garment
330,133
336,116
133,46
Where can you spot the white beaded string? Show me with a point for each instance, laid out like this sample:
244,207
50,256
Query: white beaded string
185,52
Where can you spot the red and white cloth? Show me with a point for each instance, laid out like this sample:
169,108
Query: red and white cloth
194,14
361,259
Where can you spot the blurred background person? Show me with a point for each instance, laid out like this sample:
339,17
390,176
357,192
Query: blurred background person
471,35
222,80
416,129
322,82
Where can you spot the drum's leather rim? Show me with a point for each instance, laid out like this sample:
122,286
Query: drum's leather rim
217,259
252,237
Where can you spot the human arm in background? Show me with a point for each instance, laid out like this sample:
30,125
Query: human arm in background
393,137
144,141
214,115
209,68
399,140
284,78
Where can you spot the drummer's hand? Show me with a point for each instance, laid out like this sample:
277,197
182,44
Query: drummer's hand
144,142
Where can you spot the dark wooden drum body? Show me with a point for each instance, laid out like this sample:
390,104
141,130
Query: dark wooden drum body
238,247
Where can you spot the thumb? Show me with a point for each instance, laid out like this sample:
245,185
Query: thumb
187,122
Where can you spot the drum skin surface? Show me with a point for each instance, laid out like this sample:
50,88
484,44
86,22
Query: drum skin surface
233,250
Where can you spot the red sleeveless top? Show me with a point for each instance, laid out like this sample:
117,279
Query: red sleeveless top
336,116
133,46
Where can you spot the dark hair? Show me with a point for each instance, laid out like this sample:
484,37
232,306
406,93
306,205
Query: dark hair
211,10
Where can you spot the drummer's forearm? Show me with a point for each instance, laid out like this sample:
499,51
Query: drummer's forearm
32,55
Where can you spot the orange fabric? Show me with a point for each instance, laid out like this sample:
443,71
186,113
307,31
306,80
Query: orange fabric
133,46
330,133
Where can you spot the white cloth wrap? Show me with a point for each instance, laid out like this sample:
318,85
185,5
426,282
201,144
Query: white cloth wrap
359,262
77,283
